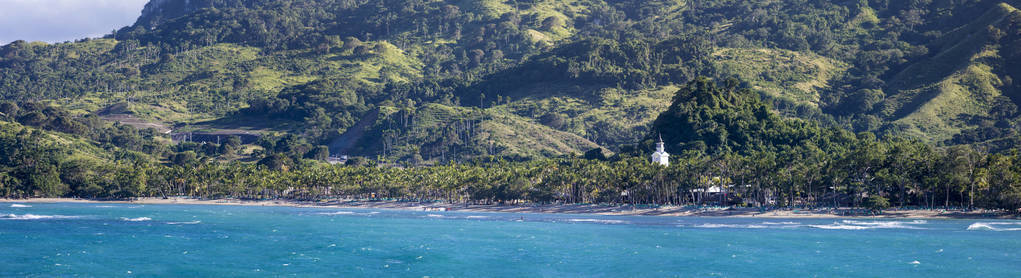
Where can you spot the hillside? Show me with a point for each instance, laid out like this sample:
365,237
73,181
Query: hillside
434,81
36,161
961,91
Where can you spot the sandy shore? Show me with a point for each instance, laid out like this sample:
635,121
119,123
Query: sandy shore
563,209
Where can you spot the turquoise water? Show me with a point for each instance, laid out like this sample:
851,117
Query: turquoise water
124,240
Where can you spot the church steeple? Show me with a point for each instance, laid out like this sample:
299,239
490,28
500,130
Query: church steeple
661,157
660,146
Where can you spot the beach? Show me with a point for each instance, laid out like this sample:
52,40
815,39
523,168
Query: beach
675,211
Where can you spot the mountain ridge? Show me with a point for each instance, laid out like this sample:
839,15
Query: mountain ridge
315,69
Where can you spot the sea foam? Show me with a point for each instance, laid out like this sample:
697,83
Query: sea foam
20,206
337,213
868,225
781,223
139,219
184,223
35,217
601,221
888,224
839,226
994,226
763,225
731,226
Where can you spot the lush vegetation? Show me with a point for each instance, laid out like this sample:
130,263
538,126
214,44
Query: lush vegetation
592,71
739,151
806,102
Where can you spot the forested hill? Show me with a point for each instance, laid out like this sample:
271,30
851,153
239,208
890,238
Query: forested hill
427,81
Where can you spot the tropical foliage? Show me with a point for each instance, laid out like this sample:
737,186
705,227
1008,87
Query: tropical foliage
744,167
804,102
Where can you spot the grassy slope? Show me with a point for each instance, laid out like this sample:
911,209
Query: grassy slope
960,80
609,116
966,92
519,135
207,77
781,73
495,129
77,147
534,14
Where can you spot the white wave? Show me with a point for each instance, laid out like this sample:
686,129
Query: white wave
781,223
867,225
477,217
106,206
435,215
887,224
731,226
20,206
139,219
337,213
763,225
184,223
839,226
1000,223
35,217
993,226
601,221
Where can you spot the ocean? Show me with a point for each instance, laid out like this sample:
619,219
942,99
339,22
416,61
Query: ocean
127,240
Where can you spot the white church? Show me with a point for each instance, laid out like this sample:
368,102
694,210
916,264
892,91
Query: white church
661,157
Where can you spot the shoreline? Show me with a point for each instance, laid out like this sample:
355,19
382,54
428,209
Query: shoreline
673,211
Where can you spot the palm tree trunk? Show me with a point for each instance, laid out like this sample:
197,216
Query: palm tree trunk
946,202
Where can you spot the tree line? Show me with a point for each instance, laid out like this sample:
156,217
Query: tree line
729,151
900,172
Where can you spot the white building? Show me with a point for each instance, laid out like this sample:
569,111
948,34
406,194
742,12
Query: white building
661,157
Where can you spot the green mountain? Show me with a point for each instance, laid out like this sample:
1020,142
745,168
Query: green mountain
432,81
706,117
964,91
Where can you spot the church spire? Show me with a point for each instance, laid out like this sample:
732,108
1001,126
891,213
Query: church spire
660,146
661,157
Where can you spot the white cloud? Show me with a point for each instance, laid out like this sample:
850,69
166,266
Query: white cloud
64,20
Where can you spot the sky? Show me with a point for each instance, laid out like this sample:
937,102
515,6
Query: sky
64,20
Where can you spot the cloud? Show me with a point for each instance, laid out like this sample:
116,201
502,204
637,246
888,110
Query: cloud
64,20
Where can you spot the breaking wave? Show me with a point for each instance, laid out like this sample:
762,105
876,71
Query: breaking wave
839,226
35,217
601,221
731,226
867,225
336,213
781,223
20,206
994,226
763,225
139,219
184,223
